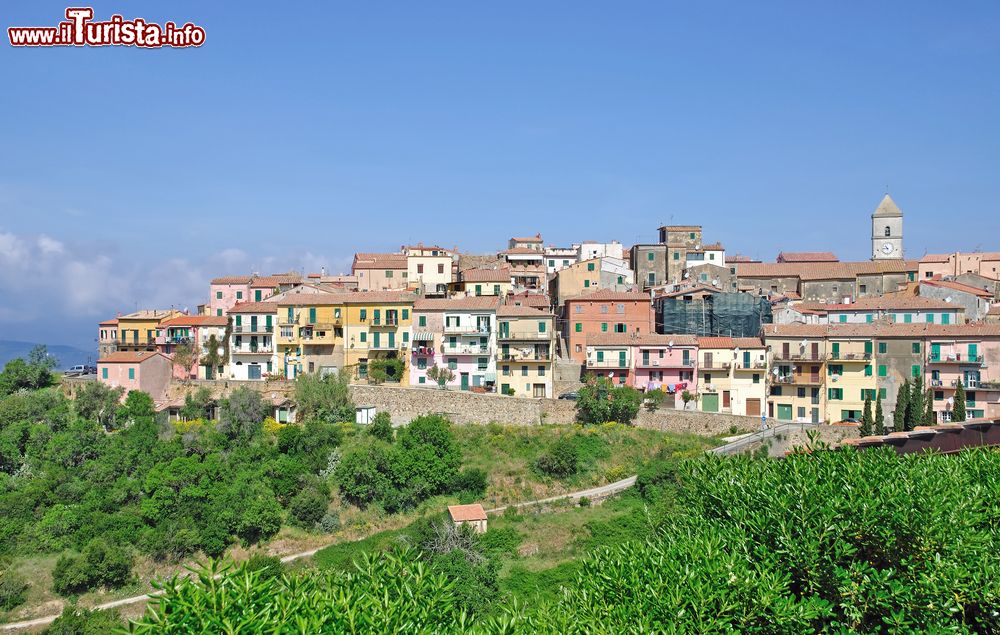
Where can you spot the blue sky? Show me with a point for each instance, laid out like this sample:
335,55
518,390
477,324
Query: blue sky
294,138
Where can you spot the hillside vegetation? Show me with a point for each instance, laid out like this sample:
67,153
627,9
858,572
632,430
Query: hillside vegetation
841,542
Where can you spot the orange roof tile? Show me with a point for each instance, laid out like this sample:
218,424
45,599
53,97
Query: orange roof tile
608,294
276,280
514,310
479,274
882,330
649,339
196,320
483,302
232,280
957,286
111,322
823,270
886,302
255,307
130,357
807,256
378,261
528,239
730,342
466,513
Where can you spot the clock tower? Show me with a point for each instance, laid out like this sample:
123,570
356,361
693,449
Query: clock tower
887,231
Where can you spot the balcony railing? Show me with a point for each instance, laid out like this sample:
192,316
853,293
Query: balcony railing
756,365
254,350
607,363
526,357
665,363
715,365
798,357
250,329
386,322
423,350
465,349
954,358
466,329
387,347
850,357
524,336
801,380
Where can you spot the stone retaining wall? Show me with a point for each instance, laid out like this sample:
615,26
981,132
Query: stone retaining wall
403,404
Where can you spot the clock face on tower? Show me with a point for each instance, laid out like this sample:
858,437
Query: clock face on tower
887,248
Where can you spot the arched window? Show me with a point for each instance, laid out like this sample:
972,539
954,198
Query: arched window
888,232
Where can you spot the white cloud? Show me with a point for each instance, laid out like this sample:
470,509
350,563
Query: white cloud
49,245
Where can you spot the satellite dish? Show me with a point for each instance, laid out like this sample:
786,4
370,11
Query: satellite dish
951,401
948,299
670,343
685,275
803,344
774,371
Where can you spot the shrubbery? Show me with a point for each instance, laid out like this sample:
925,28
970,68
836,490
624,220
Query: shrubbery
561,460
600,401
99,565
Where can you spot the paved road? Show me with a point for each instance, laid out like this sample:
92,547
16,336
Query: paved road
756,437
595,492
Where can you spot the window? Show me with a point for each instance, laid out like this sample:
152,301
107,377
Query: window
312,315
756,378
929,318
541,327
864,288
421,380
482,362
938,395
915,370
600,356
843,317
421,363
479,289
441,268
916,348
677,255
131,373
506,369
650,256
888,231
578,327
620,308
801,392
420,268
586,283
524,371
776,391
364,314
604,308
453,363
882,346
621,328
945,318
651,278
691,235
422,320
364,336
907,318
218,295
621,279
835,394
604,327
882,393
496,289
239,295
388,274
869,318
590,266
104,373
882,371
406,314
541,371
868,371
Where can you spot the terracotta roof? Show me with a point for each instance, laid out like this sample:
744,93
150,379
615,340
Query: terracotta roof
524,250
738,258
935,258
994,310
713,247
689,290
807,256
148,314
232,280
608,294
730,342
110,322
446,304
957,286
378,297
682,228
823,270
130,357
465,513
276,280
255,307
514,310
537,300
486,275
378,261
649,339
537,238
891,301
196,320
325,298
882,330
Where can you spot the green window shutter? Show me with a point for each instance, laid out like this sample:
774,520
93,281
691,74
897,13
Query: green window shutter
650,256
882,393
496,289
868,347
836,350
915,347
364,314
552,263
267,322
257,295
239,295
579,327
677,255
868,371
843,318
239,320
218,295
406,336
422,320
406,314
104,373
882,371
930,318
586,283
829,393
541,327
973,352
907,318
604,327
479,289
291,314
590,266
946,318
621,279
131,373
600,356
868,318
364,336
312,315
915,370
882,347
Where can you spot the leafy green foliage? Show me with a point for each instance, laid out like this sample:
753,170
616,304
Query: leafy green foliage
197,405
383,370
308,507
561,460
390,593
879,417
97,402
599,401
958,410
78,621
99,565
902,401
12,588
241,416
28,374
381,427
324,397
867,424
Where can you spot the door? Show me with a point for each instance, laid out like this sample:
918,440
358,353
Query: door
785,350
710,402
784,412
935,352
746,359
708,360
725,399
815,415
621,359
209,372
753,407
465,381
815,350
376,337
253,371
814,374
253,323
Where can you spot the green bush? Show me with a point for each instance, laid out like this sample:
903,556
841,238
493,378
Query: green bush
471,481
99,565
265,566
561,460
308,507
599,401
12,588
78,621
381,427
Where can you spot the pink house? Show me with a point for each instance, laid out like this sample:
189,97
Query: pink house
195,331
226,292
148,371
646,362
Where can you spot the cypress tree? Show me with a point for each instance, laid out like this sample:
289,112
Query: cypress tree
879,417
958,410
866,418
899,414
929,418
915,406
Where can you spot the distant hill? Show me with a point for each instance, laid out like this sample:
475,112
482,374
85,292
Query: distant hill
67,355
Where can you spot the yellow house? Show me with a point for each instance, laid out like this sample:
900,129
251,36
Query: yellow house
486,281
310,335
526,349
732,375
377,327
850,373
138,331
797,379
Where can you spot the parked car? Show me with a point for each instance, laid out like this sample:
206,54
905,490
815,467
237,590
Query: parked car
572,395
81,369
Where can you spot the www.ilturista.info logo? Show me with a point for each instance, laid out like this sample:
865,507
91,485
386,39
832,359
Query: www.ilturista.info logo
79,29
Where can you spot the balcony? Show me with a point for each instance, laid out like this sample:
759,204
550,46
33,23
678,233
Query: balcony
607,363
779,356
526,357
260,349
954,358
799,380
423,350
756,365
851,357
524,336
384,323
466,329
247,330
664,363
715,365
465,349
385,346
